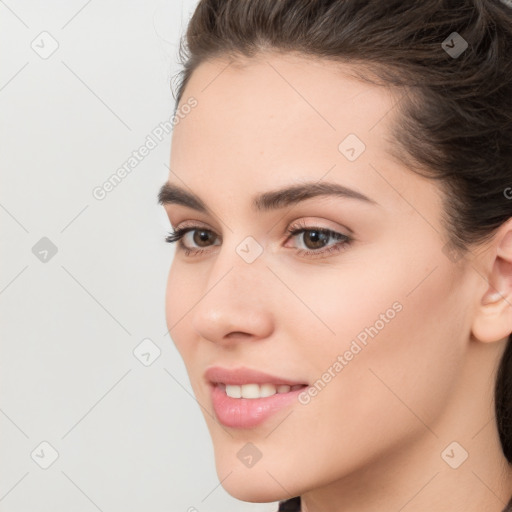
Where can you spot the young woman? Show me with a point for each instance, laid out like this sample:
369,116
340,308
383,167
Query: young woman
341,293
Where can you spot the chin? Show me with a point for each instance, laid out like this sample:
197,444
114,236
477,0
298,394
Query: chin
257,484
263,489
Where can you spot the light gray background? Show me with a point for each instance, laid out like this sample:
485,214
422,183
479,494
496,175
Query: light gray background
129,437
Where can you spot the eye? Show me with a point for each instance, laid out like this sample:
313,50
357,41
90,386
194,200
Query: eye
315,239
198,236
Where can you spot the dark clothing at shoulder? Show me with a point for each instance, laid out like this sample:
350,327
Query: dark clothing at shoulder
293,505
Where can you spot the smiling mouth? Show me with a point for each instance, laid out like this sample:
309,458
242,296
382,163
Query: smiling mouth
245,398
254,390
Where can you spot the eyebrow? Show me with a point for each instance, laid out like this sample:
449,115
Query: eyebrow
272,200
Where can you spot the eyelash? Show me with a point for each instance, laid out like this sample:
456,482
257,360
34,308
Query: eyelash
345,240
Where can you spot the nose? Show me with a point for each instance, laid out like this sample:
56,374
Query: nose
236,304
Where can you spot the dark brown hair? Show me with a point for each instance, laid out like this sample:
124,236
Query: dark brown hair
455,121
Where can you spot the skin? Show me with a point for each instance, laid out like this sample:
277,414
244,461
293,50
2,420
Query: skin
372,438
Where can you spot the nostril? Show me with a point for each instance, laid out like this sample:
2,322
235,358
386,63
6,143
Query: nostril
236,334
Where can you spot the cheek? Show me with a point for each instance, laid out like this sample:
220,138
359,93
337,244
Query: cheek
400,336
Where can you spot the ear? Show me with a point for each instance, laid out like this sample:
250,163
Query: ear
493,317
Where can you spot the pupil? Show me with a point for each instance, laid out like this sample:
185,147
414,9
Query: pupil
318,236
202,236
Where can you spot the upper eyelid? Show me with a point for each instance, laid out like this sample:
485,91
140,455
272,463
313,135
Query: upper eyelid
307,222
193,224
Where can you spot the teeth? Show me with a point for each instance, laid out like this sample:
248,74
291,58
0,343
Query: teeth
264,390
233,391
257,390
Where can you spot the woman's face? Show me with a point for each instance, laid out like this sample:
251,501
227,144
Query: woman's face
376,327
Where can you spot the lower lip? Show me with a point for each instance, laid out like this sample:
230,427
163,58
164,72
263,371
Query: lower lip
249,412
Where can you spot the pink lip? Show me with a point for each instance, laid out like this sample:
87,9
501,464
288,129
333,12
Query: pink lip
246,412
243,375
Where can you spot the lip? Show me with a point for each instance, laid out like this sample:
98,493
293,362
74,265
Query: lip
243,375
247,412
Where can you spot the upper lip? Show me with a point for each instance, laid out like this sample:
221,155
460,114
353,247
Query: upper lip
242,375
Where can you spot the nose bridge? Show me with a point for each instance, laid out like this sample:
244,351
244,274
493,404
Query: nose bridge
239,266
235,297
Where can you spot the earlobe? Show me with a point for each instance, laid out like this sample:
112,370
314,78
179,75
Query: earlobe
493,318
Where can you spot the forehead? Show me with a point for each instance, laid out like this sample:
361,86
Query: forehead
274,92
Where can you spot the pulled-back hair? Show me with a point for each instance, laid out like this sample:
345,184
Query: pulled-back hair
455,118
